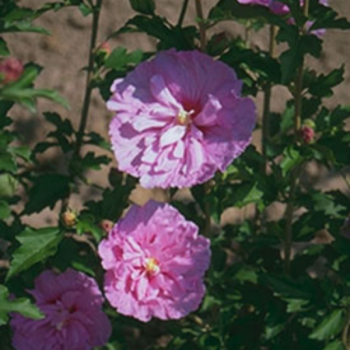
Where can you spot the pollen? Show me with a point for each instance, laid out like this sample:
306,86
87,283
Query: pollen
152,266
184,117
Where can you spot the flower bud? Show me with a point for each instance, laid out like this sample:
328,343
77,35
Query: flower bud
307,131
103,51
106,225
218,43
307,134
10,70
69,218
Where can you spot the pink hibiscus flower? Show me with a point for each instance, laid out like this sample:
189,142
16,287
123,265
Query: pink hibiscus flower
155,262
74,320
180,118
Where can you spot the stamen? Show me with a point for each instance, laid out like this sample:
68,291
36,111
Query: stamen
152,266
184,117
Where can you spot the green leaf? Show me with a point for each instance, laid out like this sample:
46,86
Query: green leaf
8,185
146,7
26,96
4,51
330,326
246,193
228,9
64,126
322,86
292,58
327,18
291,159
90,161
87,224
7,162
119,59
46,191
5,210
169,36
335,345
22,306
36,246
23,152
19,19
85,10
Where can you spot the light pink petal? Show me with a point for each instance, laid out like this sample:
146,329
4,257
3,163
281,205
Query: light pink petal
172,135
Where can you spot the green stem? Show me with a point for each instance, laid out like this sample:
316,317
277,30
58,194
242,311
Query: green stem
207,210
267,97
201,25
295,172
289,220
183,12
345,333
247,36
88,88
299,82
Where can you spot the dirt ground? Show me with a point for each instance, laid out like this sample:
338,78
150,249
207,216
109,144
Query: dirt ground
64,53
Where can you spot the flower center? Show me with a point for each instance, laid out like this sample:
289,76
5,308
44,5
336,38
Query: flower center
184,117
152,266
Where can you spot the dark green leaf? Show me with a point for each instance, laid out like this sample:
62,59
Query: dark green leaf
46,191
5,210
146,7
36,246
4,51
322,86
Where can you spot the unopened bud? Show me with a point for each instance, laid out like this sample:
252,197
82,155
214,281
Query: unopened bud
69,218
218,43
307,134
106,225
10,70
105,49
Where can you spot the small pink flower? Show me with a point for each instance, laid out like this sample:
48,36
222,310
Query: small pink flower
74,320
180,118
155,262
10,70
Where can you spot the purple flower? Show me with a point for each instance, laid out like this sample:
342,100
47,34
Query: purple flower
179,119
155,262
74,320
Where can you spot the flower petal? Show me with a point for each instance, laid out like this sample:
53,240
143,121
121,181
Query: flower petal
172,135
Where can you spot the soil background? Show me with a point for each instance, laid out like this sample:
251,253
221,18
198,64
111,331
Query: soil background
65,52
